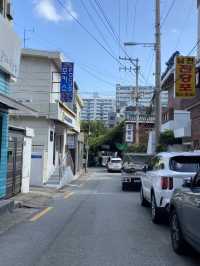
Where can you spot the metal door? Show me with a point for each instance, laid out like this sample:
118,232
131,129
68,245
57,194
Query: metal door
14,174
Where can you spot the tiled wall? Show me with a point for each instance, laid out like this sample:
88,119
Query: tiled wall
4,140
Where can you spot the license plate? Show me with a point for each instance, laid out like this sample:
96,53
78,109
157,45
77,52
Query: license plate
137,181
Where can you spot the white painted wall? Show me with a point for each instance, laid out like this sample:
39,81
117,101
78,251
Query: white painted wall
181,125
27,151
151,148
34,83
55,95
38,87
41,144
50,165
37,168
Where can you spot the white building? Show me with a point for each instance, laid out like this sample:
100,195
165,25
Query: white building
15,143
56,141
97,108
125,95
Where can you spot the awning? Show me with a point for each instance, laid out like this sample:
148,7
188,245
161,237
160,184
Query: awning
16,107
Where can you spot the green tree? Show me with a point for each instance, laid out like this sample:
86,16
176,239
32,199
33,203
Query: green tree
166,138
96,128
140,148
110,137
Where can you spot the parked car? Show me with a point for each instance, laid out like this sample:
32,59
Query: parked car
114,165
185,216
164,173
133,164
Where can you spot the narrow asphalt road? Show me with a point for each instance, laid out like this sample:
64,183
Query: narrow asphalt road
97,225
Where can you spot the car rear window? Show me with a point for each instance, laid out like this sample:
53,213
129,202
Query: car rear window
185,163
116,161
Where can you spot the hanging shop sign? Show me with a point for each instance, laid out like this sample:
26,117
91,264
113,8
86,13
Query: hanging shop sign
185,77
67,82
129,133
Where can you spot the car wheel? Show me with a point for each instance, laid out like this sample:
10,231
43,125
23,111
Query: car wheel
143,201
155,212
177,240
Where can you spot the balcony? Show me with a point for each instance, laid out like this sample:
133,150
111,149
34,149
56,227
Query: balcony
142,118
178,121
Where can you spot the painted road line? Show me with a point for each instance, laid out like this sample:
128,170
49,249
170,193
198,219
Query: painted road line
68,195
40,214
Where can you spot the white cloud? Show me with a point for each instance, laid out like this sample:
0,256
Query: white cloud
175,31
49,11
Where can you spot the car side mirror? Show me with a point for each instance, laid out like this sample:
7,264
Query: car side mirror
187,182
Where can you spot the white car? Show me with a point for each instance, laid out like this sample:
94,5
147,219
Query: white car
164,173
114,165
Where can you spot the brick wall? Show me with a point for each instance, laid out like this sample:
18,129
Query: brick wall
144,129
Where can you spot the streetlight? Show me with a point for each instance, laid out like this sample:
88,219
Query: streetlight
144,44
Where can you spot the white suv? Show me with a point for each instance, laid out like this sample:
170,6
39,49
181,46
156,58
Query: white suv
164,173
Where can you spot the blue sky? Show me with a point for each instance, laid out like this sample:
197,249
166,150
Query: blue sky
132,20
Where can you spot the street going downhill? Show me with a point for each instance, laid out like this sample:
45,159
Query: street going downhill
94,223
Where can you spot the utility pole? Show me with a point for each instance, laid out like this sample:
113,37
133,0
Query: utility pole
157,47
135,62
137,69
87,149
158,111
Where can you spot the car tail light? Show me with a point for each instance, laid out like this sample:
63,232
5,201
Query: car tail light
166,182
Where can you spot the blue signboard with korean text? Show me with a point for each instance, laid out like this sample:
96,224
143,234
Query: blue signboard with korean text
67,83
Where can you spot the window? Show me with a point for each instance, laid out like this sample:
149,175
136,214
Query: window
116,161
2,7
185,163
155,164
196,182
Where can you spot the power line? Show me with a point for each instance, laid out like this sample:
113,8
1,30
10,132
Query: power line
168,12
134,17
95,24
116,36
88,32
150,67
127,16
184,24
82,66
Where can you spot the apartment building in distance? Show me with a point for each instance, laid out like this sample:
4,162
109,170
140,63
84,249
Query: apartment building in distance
98,108
125,96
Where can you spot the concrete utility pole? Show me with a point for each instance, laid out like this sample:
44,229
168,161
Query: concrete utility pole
87,149
158,111
137,69
135,62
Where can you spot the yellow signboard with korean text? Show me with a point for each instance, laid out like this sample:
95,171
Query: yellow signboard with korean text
185,77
